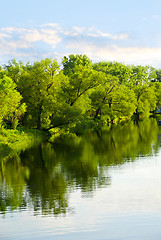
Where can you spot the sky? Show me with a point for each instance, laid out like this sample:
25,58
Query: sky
105,30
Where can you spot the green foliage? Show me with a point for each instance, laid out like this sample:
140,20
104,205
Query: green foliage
70,63
158,73
157,88
65,116
80,82
119,70
63,137
10,101
14,70
17,140
39,85
42,95
102,96
65,103
152,74
124,102
139,75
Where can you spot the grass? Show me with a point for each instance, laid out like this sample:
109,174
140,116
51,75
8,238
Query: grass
18,140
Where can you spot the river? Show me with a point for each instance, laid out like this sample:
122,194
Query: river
104,184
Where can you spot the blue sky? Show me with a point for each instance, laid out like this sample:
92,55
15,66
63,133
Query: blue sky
116,30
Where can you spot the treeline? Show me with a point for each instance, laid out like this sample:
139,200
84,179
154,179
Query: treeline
76,93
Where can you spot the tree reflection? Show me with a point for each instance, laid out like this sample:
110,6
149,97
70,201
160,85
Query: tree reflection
13,177
126,142
42,178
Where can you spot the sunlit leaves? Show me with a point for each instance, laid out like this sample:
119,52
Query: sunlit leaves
10,100
39,85
55,95
124,102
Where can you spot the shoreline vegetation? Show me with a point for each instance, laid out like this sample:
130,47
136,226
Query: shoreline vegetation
12,142
47,99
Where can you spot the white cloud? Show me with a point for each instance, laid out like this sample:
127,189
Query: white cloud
52,25
92,35
121,36
13,46
93,32
53,40
11,30
48,36
128,55
79,30
32,36
4,35
51,37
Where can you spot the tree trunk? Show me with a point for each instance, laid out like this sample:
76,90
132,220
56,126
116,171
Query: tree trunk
97,112
39,117
39,122
99,109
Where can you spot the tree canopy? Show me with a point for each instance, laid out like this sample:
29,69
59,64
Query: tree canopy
45,94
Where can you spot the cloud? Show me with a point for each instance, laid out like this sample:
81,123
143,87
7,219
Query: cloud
12,46
54,41
48,36
127,55
92,32
97,33
51,37
4,35
11,30
31,36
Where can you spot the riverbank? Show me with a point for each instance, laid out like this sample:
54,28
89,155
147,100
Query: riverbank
14,141
18,140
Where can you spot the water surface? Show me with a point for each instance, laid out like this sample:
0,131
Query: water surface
102,185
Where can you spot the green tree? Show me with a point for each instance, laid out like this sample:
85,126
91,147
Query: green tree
144,91
152,74
39,85
119,70
124,102
157,89
81,81
70,63
13,69
158,73
10,101
101,97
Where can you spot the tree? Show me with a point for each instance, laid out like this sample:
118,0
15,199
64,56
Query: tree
158,73
10,101
119,70
124,102
39,85
101,97
17,114
140,75
82,80
152,74
71,62
14,69
144,91
157,88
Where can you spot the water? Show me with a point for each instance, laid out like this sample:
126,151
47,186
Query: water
103,185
